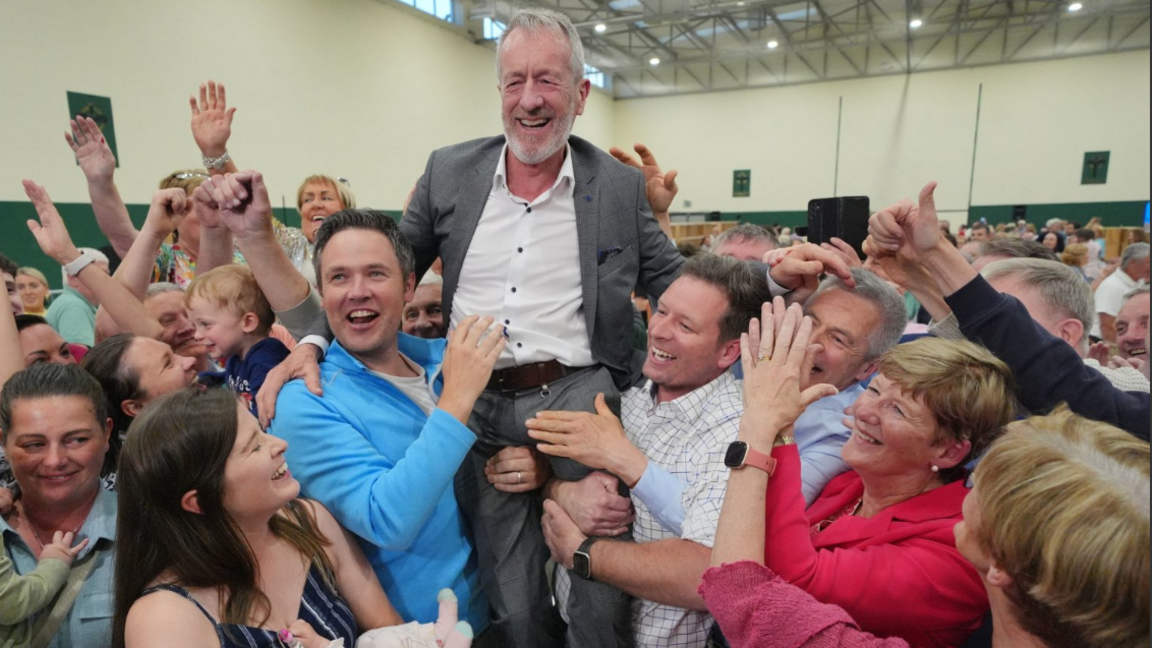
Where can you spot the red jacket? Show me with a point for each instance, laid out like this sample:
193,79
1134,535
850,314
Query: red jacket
898,574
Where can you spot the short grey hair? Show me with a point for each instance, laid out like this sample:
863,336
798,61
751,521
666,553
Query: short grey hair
533,21
893,312
1133,253
1060,287
1142,289
161,288
746,232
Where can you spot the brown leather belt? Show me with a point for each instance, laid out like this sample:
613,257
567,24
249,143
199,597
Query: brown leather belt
529,376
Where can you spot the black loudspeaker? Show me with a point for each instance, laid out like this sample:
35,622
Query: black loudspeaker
845,218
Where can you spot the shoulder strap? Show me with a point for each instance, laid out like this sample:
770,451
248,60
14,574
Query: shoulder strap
46,627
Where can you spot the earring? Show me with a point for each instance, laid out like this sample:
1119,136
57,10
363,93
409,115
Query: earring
935,468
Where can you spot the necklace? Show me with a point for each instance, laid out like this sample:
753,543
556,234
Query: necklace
41,542
75,531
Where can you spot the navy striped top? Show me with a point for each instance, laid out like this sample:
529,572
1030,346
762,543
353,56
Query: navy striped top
323,609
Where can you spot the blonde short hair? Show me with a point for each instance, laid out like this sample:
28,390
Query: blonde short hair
1064,511
34,273
186,179
342,190
968,390
233,288
1074,254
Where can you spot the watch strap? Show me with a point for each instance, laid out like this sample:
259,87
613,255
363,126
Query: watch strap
584,551
85,259
760,460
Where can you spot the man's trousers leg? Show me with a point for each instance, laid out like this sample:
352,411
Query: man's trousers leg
507,532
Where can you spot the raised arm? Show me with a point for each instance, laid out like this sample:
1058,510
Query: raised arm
98,164
212,126
660,187
11,358
52,236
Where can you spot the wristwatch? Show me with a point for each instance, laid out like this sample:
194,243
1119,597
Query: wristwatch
582,559
85,259
740,454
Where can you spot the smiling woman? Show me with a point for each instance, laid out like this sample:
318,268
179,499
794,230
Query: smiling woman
55,434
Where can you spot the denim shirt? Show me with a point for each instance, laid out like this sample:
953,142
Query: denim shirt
90,621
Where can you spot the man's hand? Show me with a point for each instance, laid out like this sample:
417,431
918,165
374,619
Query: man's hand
798,268
661,187
92,151
167,211
304,363
242,201
206,209
473,349
518,470
211,120
912,230
595,504
561,534
595,440
51,233
846,252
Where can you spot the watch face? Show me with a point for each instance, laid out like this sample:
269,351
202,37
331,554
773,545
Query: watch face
581,565
737,451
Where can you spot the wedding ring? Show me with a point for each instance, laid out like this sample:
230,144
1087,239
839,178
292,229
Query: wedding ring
763,358
519,477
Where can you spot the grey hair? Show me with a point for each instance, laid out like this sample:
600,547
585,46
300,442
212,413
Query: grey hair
1142,289
1059,285
161,288
1015,248
893,312
1132,253
746,232
533,21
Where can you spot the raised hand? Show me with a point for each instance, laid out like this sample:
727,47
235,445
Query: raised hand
776,358
211,119
660,186
912,230
167,211
51,233
241,200
92,151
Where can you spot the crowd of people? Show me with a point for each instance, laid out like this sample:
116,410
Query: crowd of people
458,429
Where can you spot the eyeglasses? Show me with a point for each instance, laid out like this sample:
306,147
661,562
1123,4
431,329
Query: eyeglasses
188,175
344,181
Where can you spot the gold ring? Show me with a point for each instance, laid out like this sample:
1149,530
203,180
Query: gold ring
763,358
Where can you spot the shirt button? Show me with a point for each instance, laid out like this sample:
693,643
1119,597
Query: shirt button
520,250
519,345
506,322
529,210
513,289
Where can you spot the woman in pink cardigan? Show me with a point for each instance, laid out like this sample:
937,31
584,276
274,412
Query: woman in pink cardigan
1057,481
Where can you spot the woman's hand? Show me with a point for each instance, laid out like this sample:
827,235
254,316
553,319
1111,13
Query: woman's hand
776,356
51,233
167,211
211,119
92,151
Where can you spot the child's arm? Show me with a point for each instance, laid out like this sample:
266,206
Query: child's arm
23,596
301,635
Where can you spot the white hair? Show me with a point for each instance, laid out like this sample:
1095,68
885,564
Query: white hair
533,21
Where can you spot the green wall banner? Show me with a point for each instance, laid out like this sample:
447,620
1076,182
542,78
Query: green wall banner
742,183
1095,167
99,109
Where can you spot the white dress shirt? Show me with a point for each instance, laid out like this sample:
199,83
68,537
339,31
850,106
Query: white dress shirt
523,268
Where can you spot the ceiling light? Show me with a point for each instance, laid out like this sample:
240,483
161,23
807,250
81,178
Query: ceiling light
773,44
1075,6
653,61
601,28
916,23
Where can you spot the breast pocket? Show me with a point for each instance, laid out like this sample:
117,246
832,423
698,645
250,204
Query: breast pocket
614,259
92,619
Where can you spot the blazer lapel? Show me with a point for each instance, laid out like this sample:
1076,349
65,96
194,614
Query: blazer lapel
471,197
586,197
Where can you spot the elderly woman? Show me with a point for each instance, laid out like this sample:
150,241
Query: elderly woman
33,288
248,559
878,541
55,434
1057,528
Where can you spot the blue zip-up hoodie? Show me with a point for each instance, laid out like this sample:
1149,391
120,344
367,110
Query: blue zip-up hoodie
386,471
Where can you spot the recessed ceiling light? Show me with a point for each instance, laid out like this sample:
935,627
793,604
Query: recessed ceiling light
1075,6
601,28
773,44
653,61
916,23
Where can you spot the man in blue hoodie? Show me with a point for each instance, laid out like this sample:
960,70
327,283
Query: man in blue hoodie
383,445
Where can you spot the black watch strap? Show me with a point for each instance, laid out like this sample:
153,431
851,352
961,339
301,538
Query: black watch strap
582,559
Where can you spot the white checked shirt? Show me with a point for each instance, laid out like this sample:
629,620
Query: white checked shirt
688,437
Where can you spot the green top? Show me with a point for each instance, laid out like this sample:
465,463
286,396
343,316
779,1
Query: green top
23,596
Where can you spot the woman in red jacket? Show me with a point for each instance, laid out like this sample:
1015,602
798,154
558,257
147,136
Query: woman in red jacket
1057,527
879,540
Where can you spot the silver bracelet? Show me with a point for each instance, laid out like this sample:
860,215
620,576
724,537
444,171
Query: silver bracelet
216,162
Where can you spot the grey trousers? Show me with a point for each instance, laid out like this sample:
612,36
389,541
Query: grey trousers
508,535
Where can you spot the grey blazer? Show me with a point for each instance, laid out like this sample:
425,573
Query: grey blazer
621,244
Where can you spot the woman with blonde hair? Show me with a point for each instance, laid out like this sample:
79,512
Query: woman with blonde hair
1075,255
33,288
1057,528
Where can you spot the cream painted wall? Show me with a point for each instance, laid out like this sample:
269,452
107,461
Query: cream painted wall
356,88
1037,122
